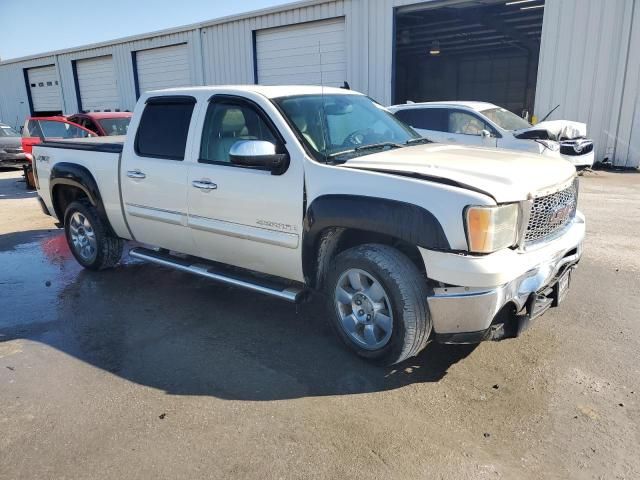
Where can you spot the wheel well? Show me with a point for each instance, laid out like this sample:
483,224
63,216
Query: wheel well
333,241
63,195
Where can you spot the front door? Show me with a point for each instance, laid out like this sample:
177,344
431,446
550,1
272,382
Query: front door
154,175
465,128
244,216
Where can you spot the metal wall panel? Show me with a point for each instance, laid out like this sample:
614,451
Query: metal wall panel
588,67
14,102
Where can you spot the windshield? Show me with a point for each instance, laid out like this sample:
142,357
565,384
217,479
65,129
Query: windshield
7,131
115,126
336,125
505,119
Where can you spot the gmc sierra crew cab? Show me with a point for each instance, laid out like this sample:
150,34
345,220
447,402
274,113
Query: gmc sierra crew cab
288,190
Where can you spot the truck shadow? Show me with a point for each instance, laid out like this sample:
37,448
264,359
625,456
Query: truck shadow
188,336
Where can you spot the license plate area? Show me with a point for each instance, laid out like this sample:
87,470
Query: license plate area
561,288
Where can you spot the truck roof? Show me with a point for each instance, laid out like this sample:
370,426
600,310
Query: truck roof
477,106
266,91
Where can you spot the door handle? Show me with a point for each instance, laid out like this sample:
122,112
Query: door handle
204,185
135,174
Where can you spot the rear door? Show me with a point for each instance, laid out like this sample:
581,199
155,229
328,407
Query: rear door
154,174
430,122
244,216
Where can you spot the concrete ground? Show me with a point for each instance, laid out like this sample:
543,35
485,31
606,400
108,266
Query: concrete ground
142,372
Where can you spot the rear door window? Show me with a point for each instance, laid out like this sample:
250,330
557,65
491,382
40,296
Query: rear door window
164,127
425,118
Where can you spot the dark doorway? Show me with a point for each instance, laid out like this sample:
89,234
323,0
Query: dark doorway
471,50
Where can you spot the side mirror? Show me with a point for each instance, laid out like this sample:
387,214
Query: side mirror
485,134
258,154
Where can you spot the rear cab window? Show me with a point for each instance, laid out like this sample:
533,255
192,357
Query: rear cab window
164,127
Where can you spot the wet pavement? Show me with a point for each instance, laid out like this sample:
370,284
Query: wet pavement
142,372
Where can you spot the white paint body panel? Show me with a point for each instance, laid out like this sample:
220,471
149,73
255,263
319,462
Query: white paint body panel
306,54
45,96
97,83
164,67
232,224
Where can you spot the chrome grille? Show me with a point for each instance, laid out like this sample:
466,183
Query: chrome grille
576,147
551,213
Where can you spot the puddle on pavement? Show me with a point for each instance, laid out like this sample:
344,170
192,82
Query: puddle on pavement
32,275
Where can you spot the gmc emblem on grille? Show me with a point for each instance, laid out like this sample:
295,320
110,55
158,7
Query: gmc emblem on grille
560,214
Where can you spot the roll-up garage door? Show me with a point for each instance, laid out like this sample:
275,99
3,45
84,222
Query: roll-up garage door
306,54
163,67
45,89
97,84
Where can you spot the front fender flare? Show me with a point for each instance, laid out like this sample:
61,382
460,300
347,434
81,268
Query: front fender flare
410,223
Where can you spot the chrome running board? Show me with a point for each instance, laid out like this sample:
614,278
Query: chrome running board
267,286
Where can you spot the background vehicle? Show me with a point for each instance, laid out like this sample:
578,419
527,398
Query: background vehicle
103,123
52,128
11,152
283,190
485,124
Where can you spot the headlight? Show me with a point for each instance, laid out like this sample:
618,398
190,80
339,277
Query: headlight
550,144
491,228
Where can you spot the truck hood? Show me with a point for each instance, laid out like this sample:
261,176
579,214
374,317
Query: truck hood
506,176
553,130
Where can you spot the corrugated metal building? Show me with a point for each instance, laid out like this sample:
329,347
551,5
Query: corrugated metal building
528,55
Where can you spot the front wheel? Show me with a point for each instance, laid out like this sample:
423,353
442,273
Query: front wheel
378,298
88,238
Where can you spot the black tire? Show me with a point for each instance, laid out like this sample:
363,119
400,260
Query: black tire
108,249
27,170
406,293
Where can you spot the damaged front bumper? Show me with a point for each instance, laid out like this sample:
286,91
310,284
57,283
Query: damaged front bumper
538,281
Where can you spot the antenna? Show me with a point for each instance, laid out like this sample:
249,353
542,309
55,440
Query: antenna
323,115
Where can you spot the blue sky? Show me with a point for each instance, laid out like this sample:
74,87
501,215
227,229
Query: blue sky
37,26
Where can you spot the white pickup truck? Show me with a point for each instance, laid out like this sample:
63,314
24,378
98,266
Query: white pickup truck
287,190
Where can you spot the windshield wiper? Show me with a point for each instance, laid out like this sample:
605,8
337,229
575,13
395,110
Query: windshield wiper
362,148
374,146
417,141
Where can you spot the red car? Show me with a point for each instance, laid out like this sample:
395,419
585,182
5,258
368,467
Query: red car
103,123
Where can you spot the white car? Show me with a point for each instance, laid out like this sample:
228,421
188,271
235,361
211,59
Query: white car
284,190
486,124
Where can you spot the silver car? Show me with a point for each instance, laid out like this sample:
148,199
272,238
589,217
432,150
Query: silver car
11,152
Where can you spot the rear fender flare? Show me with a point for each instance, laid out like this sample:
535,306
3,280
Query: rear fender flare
70,174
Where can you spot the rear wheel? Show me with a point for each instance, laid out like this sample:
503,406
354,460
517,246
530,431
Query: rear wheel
379,303
88,239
